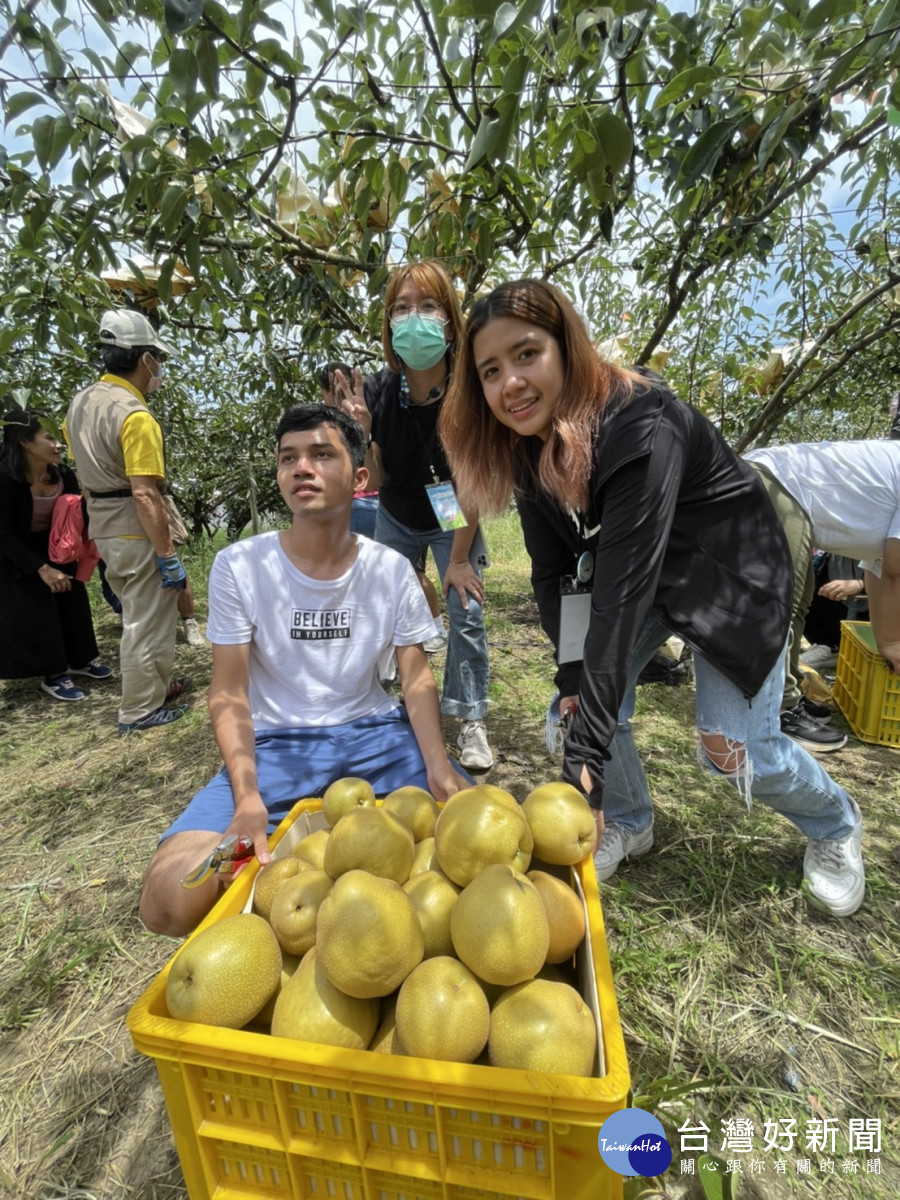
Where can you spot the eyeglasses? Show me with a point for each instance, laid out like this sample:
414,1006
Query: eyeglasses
429,310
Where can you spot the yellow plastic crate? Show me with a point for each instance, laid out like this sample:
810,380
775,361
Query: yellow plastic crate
867,691
254,1115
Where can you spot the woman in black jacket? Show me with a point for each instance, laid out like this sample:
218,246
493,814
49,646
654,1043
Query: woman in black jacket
610,470
45,614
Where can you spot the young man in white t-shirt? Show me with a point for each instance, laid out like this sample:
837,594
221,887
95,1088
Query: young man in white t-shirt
302,622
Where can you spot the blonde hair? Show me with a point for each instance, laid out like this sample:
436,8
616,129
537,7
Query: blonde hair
489,460
430,278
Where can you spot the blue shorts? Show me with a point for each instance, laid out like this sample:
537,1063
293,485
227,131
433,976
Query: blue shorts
294,763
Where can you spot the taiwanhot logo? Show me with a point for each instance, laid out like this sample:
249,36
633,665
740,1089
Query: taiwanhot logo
632,1142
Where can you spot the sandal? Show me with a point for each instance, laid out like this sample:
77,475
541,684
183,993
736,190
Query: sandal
177,688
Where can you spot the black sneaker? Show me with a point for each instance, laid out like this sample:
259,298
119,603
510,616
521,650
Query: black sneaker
808,733
819,712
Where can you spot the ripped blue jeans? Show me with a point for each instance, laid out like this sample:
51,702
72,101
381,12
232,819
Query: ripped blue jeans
774,769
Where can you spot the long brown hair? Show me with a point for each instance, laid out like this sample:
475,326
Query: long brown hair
489,460
432,280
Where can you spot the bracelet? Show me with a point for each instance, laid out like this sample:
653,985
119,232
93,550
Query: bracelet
457,562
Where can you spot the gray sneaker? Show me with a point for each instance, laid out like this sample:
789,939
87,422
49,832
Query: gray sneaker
834,878
618,843
473,744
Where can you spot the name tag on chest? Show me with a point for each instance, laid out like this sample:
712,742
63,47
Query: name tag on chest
574,617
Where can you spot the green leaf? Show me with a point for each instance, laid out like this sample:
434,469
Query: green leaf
704,154
42,136
397,180
208,64
887,17
615,139
181,15
893,117
164,283
683,86
494,133
776,131
222,198
183,72
127,56
19,103
192,255
591,17
51,136
606,223
823,13
717,1184
504,21
506,18
136,271
173,202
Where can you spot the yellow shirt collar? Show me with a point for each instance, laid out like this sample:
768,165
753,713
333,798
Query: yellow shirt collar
120,382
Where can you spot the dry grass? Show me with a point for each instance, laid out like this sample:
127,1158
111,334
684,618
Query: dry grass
726,979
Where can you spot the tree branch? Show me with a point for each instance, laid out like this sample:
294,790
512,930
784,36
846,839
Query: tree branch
255,188
677,293
776,405
442,67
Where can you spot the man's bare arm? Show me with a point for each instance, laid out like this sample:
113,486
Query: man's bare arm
229,709
152,513
421,697
884,603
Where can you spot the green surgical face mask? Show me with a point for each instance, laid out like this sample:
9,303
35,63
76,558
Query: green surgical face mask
418,342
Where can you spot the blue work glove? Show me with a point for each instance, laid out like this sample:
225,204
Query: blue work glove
171,571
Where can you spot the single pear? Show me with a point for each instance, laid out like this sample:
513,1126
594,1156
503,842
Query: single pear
543,1026
224,974
312,1009
368,935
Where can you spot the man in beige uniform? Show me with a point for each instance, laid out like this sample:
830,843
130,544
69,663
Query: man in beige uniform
118,448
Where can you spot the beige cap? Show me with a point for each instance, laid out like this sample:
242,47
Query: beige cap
125,328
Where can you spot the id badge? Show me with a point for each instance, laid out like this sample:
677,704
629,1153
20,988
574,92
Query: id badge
445,506
574,618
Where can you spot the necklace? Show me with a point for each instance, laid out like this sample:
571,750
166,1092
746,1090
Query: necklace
406,397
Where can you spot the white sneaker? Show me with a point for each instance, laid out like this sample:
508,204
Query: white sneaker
618,843
834,878
473,744
438,641
192,634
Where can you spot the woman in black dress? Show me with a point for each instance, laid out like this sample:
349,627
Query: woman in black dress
45,615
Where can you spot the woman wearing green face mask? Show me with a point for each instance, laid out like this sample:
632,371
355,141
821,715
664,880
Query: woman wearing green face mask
417,509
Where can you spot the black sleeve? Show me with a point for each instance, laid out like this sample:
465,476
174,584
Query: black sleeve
551,560
636,505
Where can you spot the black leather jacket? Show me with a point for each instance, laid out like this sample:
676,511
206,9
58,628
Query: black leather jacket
686,533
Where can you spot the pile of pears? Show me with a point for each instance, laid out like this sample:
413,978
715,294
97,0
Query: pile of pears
409,929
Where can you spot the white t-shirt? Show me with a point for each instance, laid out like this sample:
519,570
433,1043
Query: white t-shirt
849,490
316,645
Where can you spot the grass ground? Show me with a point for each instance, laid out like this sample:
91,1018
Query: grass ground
739,1003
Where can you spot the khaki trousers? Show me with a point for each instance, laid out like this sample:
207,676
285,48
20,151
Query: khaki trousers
799,532
149,615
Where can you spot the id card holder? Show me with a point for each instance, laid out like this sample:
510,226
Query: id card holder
574,618
445,506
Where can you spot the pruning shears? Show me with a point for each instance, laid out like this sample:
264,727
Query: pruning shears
230,854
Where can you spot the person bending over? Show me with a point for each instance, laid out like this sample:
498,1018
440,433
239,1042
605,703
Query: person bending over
608,462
